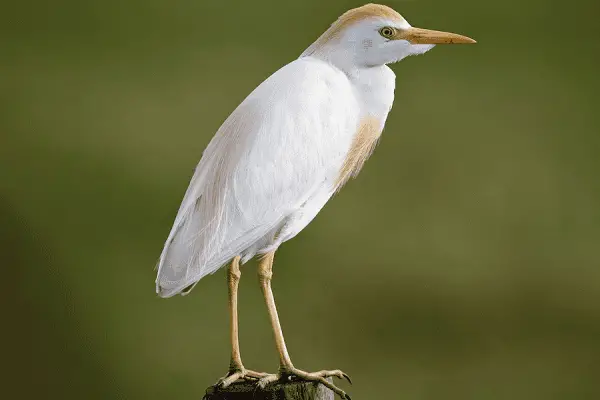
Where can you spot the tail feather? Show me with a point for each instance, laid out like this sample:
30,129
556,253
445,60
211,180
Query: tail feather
171,281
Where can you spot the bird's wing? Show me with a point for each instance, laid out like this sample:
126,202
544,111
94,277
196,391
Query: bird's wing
287,139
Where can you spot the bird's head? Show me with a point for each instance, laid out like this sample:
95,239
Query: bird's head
374,35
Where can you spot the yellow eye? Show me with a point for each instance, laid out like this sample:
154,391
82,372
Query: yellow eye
387,32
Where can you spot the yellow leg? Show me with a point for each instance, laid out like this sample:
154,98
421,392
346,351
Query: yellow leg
287,370
265,274
236,368
233,280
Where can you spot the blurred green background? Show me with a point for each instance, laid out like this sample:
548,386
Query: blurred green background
463,263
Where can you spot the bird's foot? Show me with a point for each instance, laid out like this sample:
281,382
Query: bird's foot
240,373
292,374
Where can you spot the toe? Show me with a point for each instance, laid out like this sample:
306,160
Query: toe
321,377
340,374
334,388
255,375
336,372
230,379
267,379
233,378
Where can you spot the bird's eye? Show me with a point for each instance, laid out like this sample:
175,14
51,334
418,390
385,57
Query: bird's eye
387,32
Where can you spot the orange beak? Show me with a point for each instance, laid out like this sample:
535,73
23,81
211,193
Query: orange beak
426,36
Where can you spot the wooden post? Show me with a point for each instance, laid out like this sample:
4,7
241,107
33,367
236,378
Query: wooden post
278,391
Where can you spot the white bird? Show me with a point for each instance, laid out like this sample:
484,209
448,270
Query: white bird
281,155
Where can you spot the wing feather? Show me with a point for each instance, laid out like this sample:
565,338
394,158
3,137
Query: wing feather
286,140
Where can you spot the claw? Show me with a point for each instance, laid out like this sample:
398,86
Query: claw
345,375
220,382
235,375
293,374
338,374
320,377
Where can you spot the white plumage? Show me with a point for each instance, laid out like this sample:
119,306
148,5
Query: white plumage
277,159
280,156
267,172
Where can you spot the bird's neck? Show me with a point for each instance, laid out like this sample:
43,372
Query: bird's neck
344,60
374,88
373,85
338,58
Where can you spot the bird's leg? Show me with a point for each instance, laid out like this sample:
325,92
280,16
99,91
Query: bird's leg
265,274
236,368
287,371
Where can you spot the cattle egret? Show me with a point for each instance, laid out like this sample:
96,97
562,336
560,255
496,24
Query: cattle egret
281,155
